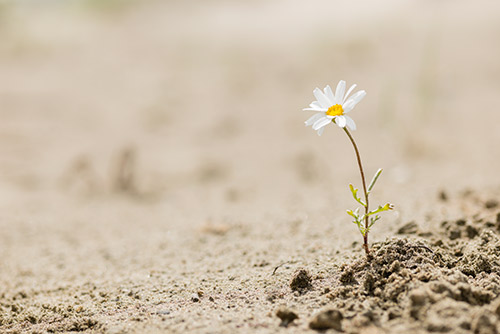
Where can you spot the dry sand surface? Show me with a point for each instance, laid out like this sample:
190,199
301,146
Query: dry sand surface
157,177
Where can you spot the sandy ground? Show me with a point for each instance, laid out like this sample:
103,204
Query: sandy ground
156,175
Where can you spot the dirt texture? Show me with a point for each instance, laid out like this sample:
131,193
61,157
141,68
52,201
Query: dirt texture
156,175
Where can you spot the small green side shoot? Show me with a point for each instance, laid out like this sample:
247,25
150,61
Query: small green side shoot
360,219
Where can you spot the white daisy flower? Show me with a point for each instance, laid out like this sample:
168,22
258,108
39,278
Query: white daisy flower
332,108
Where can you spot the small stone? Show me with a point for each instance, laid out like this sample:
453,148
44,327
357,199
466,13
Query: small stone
454,234
329,319
408,228
393,314
301,280
195,298
286,315
443,196
361,321
471,231
418,298
491,204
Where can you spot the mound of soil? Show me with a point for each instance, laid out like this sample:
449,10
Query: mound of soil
448,281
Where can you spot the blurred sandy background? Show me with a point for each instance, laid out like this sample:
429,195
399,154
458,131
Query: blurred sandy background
167,137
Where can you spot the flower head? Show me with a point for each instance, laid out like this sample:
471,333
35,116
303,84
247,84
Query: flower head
332,108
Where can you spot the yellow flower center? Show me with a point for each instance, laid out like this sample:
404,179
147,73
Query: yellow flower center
335,110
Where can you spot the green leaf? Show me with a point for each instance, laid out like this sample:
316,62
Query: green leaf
373,220
355,215
352,214
375,178
386,207
354,192
362,229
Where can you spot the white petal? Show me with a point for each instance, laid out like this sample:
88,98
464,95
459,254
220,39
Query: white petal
351,103
322,99
358,96
329,94
348,92
350,123
347,107
315,109
313,118
339,92
321,123
320,131
340,121
315,104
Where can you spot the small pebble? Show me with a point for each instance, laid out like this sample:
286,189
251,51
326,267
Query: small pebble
491,204
408,228
329,319
286,315
443,196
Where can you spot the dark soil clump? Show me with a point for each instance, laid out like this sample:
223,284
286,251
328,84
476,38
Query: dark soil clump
301,281
448,282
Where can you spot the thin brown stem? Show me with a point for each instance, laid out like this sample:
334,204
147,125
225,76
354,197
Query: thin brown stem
365,235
